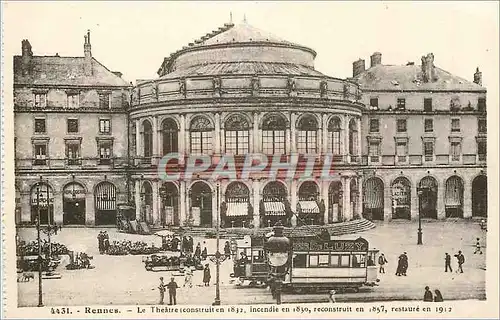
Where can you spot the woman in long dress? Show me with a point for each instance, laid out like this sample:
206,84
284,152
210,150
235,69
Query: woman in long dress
206,276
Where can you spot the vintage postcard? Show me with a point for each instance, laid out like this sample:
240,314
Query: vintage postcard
250,159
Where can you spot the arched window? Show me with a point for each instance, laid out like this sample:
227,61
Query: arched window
147,139
170,136
273,134
236,133
334,136
353,138
307,134
201,131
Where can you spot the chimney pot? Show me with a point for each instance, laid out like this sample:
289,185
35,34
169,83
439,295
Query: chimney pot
478,77
358,67
87,50
375,59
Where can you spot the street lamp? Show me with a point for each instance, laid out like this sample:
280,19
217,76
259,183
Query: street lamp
40,290
278,250
420,191
217,252
163,195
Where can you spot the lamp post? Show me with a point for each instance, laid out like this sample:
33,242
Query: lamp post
217,252
278,250
163,196
420,192
40,290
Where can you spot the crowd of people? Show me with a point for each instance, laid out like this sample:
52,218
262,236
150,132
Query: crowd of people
125,247
31,248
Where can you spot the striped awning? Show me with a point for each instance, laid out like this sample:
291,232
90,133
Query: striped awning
275,208
309,206
237,209
374,194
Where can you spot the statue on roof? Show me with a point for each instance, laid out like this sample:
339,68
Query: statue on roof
346,90
323,88
154,90
255,85
216,81
182,87
291,87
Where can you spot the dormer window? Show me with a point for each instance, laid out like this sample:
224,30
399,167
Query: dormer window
428,104
104,100
40,100
401,104
73,100
481,105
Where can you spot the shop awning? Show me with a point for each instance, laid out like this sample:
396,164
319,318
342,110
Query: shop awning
275,208
308,206
237,209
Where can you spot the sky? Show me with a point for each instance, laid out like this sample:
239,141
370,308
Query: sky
134,37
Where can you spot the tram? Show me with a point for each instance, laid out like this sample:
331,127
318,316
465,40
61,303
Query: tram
331,264
250,261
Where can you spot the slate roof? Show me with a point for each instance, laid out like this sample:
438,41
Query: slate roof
244,33
55,70
409,77
227,68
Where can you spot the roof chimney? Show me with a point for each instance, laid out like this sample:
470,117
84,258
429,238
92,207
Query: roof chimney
358,67
87,49
27,54
375,59
478,77
428,69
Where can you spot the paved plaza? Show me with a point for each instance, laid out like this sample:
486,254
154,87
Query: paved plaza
123,280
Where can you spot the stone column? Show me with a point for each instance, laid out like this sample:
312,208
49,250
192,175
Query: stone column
293,132
256,133
57,209
138,142
156,211
288,141
256,203
344,141
387,201
217,141
182,134
346,210
89,210
25,207
324,195
415,203
156,152
294,200
187,138
138,199
182,202
359,204
467,207
440,205
324,134
358,147
215,208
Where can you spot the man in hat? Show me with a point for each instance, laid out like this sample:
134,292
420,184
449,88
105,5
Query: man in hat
428,295
161,288
460,260
447,262
172,291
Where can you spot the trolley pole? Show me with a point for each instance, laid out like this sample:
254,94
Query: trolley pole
40,291
217,254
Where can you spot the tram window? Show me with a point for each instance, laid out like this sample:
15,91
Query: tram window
334,260
299,261
323,260
313,261
358,261
258,256
344,260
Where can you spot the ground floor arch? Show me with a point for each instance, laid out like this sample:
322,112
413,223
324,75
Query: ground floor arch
308,206
335,196
454,197
170,200
274,204
74,209
480,196
201,205
42,203
105,203
428,196
401,198
236,210
373,199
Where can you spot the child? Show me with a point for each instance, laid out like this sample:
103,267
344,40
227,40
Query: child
478,247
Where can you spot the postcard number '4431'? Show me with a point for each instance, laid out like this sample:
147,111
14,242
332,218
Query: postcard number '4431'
60,311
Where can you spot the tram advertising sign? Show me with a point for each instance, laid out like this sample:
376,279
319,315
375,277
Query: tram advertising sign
357,245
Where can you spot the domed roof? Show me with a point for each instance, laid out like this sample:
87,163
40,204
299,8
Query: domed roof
244,33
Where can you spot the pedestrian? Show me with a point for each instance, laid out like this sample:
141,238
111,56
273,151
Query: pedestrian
404,264
172,291
460,260
331,296
204,254
188,277
437,296
161,288
399,269
206,276
428,295
478,247
106,243
191,244
381,262
184,244
197,252
447,262
227,250
100,241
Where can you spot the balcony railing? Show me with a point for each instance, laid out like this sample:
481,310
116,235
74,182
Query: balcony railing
61,163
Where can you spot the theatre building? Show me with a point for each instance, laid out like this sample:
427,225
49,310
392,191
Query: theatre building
70,147
424,135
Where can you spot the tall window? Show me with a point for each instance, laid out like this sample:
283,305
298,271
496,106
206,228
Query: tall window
273,134
481,150
104,126
104,99
105,151
481,104
170,136
481,125
307,134
401,104
455,150
73,152
374,102
401,125
147,139
402,150
429,125
237,133
374,125
201,131
353,138
40,153
40,100
73,100
427,104
72,125
455,125
374,151
429,151
40,126
334,136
